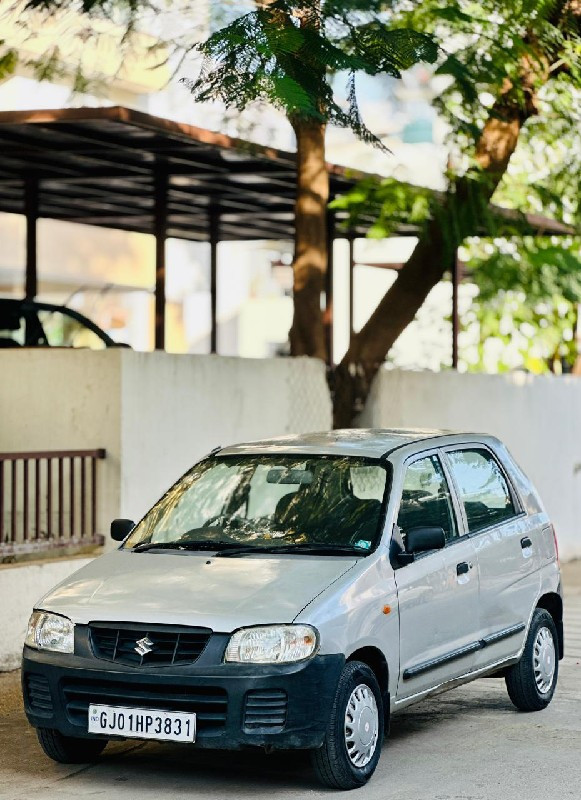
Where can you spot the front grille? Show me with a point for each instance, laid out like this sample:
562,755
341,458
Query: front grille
208,702
265,710
168,644
38,695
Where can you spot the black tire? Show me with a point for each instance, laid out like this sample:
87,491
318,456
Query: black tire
331,762
521,682
67,749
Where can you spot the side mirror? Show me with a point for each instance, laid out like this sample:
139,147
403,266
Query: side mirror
419,540
422,540
121,528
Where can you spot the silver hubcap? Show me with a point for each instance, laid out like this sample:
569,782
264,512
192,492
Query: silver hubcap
544,660
361,725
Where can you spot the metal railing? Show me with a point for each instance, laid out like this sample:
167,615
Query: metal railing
48,500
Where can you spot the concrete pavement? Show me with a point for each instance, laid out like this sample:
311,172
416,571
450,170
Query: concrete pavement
467,744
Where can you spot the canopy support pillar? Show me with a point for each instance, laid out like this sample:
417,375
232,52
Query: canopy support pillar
31,213
328,317
214,230
351,287
455,312
160,225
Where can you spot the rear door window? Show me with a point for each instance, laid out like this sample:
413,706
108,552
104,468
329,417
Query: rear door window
483,488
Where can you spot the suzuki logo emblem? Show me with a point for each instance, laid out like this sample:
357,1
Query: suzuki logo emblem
143,646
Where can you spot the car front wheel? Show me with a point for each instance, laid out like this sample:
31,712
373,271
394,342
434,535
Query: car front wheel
353,740
68,749
531,683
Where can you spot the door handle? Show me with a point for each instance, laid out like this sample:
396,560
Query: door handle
462,568
525,542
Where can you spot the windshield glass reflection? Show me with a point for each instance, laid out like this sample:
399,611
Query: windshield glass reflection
268,501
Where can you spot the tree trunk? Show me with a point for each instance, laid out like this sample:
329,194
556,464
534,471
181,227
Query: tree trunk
307,335
426,266
396,309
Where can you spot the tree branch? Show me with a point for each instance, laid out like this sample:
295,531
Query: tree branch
436,247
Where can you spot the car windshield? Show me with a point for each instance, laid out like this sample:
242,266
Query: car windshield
64,330
263,502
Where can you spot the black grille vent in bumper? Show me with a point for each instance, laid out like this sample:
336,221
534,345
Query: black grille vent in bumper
162,645
38,695
209,703
265,710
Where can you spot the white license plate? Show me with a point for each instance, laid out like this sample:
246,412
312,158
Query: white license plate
142,723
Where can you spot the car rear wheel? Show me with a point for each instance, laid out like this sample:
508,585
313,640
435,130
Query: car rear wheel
531,683
352,745
68,749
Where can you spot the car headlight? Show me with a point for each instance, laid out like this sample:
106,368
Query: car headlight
48,631
272,644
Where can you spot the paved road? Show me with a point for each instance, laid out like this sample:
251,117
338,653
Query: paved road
468,744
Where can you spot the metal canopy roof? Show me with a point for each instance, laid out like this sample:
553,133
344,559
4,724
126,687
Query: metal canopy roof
100,166
97,166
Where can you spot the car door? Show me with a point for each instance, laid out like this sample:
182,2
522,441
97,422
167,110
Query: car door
438,591
505,546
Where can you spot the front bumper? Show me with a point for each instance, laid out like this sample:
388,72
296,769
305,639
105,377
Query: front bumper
237,705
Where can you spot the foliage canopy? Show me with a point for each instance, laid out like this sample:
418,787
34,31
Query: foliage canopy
521,55
283,52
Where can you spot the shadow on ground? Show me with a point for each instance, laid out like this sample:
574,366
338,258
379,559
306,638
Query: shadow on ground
145,767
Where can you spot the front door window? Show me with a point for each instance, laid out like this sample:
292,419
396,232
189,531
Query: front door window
426,500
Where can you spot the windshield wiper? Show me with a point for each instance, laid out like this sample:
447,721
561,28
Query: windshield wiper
203,544
302,547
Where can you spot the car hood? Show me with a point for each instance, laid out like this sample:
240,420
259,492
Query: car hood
194,588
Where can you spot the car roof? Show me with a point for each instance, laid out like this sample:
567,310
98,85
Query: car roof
363,442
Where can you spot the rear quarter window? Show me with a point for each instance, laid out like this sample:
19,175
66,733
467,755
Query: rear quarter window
527,492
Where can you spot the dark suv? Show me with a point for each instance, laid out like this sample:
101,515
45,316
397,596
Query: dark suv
28,323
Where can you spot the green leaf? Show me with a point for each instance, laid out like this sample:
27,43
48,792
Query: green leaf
452,14
456,69
8,62
393,50
289,94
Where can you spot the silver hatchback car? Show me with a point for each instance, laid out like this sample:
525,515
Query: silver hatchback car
294,593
